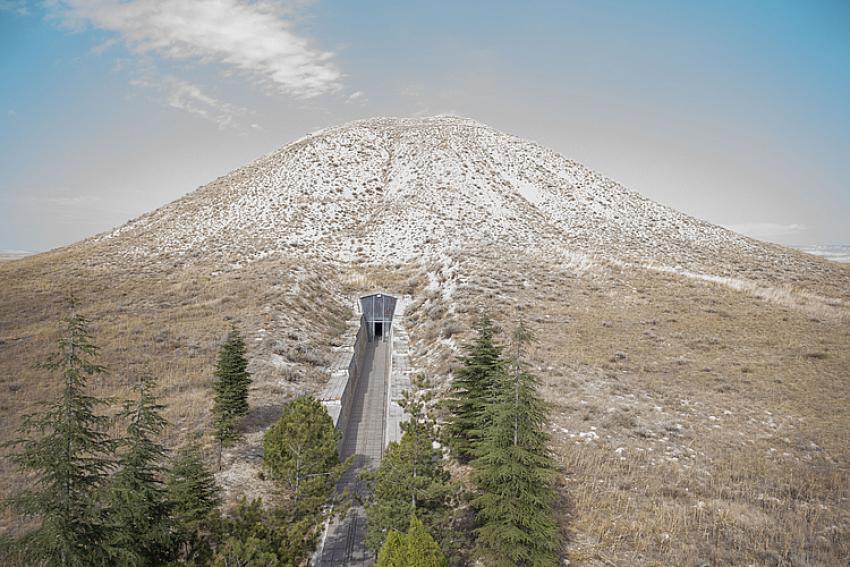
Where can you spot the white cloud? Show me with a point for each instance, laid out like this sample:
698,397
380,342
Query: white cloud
355,96
104,46
18,7
190,97
254,38
767,230
184,95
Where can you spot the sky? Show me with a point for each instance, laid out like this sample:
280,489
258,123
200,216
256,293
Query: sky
735,112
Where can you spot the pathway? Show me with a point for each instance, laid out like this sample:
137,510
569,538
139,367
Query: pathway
364,440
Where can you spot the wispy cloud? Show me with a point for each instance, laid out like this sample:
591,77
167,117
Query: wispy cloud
104,46
251,37
357,96
767,230
18,7
190,97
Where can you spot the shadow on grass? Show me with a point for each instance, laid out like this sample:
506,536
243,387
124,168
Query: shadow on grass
261,417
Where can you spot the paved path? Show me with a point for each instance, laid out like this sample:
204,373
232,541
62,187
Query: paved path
364,440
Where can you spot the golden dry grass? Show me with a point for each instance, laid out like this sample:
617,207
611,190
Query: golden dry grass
170,325
695,424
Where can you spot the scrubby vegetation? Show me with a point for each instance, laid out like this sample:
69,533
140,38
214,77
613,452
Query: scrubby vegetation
689,422
416,548
496,422
97,497
412,479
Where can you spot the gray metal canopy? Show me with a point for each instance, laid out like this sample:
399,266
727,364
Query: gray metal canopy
378,307
378,310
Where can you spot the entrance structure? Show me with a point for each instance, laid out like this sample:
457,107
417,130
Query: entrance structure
363,401
378,310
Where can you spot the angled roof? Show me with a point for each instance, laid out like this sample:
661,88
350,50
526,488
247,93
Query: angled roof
378,307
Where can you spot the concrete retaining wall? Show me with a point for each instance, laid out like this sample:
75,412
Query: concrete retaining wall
399,374
345,374
355,371
339,392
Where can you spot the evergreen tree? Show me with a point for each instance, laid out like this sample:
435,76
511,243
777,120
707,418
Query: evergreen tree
410,479
68,455
266,536
513,471
300,451
473,389
194,500
394,551
248,519
139,514
416,548
250,538
297,528
422,550
231,389
251,552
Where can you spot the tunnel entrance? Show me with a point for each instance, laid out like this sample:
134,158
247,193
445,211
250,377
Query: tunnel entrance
378,310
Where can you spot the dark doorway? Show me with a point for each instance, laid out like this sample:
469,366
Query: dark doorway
379,329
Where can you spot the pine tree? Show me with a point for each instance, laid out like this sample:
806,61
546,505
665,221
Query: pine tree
250,552
194,500
473,390
297,528
68,455
513,471
301,452
231,389
250,537
410,479
416,548
139,512
422,550
394,551
266,536
248,519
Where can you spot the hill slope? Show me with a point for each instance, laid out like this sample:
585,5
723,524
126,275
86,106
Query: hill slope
698,378
389,181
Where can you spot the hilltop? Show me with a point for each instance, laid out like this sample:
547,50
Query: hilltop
698,378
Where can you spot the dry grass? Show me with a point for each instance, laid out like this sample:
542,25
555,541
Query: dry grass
170,325
696,424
